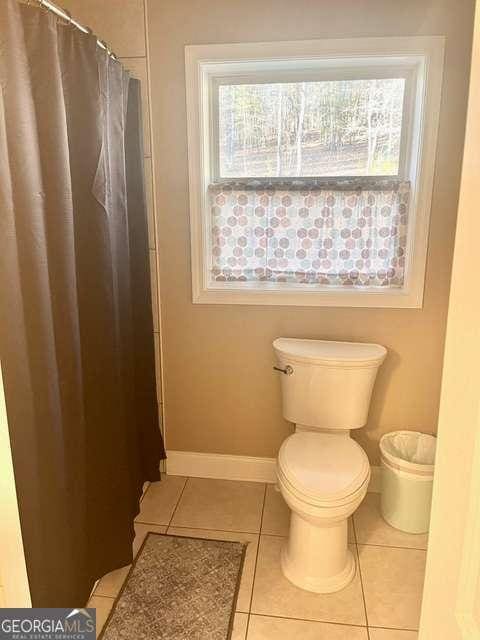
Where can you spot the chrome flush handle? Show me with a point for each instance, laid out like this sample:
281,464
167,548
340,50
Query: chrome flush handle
287,371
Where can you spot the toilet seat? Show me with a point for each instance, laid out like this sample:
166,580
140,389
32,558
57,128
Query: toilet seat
322,469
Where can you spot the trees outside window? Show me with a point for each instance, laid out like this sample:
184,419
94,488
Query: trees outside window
303,129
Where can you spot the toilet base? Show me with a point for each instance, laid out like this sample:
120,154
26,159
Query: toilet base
317,558
318,585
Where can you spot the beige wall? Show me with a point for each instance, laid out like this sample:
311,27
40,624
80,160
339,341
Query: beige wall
121,23
220,392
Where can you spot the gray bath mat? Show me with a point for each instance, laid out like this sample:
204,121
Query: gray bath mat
178,588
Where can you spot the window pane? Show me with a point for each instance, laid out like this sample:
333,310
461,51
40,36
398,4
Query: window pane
308,129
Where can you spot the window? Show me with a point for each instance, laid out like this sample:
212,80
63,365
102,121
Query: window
311,168
328,128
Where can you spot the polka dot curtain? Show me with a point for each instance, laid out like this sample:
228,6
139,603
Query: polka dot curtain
337,237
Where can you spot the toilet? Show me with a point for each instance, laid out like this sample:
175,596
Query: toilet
322,473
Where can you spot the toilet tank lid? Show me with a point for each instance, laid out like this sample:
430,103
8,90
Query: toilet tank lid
329,352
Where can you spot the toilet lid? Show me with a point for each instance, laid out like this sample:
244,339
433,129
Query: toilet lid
323,466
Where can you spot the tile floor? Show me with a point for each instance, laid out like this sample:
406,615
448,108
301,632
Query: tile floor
382,602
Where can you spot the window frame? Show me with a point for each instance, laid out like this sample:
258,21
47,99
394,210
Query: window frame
420,58
328,73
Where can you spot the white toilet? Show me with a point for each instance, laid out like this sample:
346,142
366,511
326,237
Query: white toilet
322,473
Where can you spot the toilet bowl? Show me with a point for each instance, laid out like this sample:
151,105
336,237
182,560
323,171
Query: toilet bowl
322,473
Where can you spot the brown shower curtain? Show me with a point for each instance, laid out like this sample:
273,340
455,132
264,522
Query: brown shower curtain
76,332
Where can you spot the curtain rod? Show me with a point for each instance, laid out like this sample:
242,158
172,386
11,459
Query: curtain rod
67,16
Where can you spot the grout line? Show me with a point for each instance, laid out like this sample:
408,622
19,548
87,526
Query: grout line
97,595
144,57
263,507
393,628
178,502
389,546
279,535
256,559
360,575
357,559
183,526
151,524
339,624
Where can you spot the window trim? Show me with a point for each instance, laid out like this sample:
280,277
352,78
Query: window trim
204,62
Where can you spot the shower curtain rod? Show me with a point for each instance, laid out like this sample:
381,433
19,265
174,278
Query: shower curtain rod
67,16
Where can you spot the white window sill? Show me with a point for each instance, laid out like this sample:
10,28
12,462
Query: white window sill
305,296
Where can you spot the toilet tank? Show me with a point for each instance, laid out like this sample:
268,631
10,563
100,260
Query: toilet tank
327,385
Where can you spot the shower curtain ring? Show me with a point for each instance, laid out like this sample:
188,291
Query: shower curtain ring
70,17
107,49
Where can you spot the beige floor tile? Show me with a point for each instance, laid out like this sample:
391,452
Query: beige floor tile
111,583
392,584
239,631
220,504
276,515
391,634
246,584
274,595
265,628
160,500
371,528
141,531
103,607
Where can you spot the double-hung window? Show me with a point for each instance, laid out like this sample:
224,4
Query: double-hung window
311,170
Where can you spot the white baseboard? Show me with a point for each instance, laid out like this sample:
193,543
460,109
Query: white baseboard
221,466
226,467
